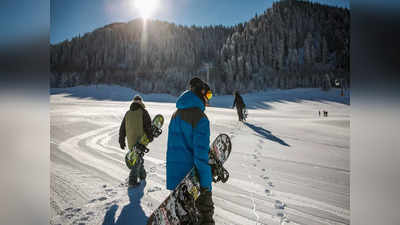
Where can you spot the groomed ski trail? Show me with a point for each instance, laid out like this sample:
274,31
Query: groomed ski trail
310,178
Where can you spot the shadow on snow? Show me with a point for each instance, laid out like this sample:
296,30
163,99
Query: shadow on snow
132,213
109,93
259,100
266,134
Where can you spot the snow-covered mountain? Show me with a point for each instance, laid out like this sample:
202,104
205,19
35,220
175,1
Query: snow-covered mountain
292,44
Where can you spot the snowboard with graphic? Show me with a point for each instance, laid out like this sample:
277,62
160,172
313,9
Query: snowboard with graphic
179,208
131,156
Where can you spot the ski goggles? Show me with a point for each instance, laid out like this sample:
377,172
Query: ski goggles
209,94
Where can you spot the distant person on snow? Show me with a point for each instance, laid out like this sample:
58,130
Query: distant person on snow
239,103
188,145
135,124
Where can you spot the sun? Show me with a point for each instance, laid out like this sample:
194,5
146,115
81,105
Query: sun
146,7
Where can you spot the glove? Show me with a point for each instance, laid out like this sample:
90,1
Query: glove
151,138
122,144
206,207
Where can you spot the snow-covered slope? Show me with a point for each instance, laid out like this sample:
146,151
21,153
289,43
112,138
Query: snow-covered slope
288,165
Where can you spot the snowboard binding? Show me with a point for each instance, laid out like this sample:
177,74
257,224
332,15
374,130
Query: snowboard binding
141,149
219,173
135,155
156,131
157,123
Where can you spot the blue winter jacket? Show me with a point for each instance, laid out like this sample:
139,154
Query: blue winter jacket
188,141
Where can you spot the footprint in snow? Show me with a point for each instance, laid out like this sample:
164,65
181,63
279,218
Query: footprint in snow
154,189
263,169
279,205
69,216
85,218
90,213
76,222
102,198
284,218
280,214
76,210
270,184
267,191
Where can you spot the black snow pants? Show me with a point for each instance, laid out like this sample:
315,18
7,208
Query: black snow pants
240,113
137,171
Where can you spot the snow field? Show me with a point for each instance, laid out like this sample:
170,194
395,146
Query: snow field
288,166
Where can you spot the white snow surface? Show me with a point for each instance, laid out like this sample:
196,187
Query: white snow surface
288,165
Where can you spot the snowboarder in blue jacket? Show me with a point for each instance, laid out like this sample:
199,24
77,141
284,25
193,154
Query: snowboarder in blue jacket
188,145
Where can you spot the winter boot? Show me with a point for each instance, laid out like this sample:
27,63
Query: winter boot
133,178
142,173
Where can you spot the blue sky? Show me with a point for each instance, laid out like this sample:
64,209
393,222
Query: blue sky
68,18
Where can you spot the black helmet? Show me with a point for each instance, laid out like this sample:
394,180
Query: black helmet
137,98
200,88
206,87
196,83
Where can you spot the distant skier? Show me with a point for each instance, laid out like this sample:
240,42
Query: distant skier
188,145
135,124
239,103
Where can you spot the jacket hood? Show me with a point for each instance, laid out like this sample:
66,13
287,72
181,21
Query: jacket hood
135,106
188,99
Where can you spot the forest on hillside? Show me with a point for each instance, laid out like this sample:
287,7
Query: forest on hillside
292,44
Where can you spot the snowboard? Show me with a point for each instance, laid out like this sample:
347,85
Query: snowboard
244,113
140,148
179,207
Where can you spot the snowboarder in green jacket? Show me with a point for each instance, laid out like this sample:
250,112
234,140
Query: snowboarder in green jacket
135,124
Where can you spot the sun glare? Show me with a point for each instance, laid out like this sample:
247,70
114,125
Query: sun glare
146,7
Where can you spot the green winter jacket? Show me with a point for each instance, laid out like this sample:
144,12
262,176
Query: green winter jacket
135,124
